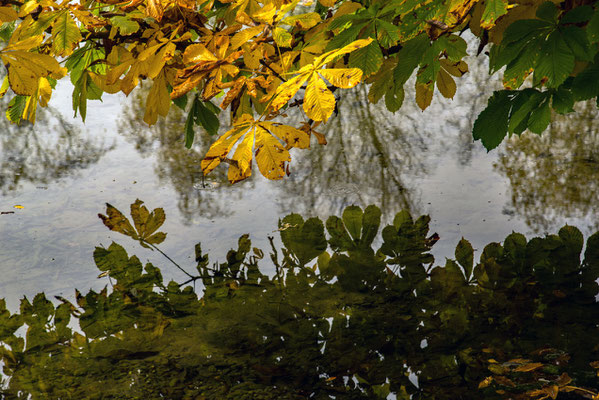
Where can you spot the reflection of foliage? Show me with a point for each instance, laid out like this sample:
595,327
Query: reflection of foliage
337,319
174,163
28,155
556,175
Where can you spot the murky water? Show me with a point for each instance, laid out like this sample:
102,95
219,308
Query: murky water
62,172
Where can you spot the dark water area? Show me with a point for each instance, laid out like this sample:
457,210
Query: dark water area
375,317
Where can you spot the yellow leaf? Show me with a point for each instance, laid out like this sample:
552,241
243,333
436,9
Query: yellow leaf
266,14
223,145
18,206
25,69
319,102
282,37
287,90
154,9
446,84
271,156
101,82
27,8
25,44
528,367
327,3
244,36
44,92
158,101
292,136
7,14
303,21
424,95
197,53
344,78
331,55
488,380
156,62
242,168
116,221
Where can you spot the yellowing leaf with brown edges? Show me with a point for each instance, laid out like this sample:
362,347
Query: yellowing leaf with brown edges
271,156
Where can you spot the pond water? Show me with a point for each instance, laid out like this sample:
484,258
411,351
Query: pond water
62,172
56,176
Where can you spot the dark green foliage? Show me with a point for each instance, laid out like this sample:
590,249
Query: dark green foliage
356,324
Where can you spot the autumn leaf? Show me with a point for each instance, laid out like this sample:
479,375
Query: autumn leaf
25,68
270,140
158,101
65,34
319,101
146,223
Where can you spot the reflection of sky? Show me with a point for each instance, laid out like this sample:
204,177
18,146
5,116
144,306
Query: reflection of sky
432,167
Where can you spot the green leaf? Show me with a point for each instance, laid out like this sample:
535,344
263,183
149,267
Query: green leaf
190,123
340,239
371,221
394,97
555,63
369,58
586,84
464,254
592,28
15,109
577,15
409,58
540,117
492,123
352,219
493,10
562,100
524,102
548,11
207,118
577,41
305,240
125,25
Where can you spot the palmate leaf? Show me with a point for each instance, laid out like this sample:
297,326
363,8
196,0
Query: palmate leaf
319,102
146,223
267,141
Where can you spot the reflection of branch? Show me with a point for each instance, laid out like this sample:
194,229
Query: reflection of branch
171,260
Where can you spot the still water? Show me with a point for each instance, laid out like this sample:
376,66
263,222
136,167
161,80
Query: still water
62,172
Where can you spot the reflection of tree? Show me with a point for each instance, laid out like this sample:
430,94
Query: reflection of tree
46,152
360,324
364,161
556,175
373,155
176,164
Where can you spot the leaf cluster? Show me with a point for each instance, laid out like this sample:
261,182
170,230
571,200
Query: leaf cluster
257,58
